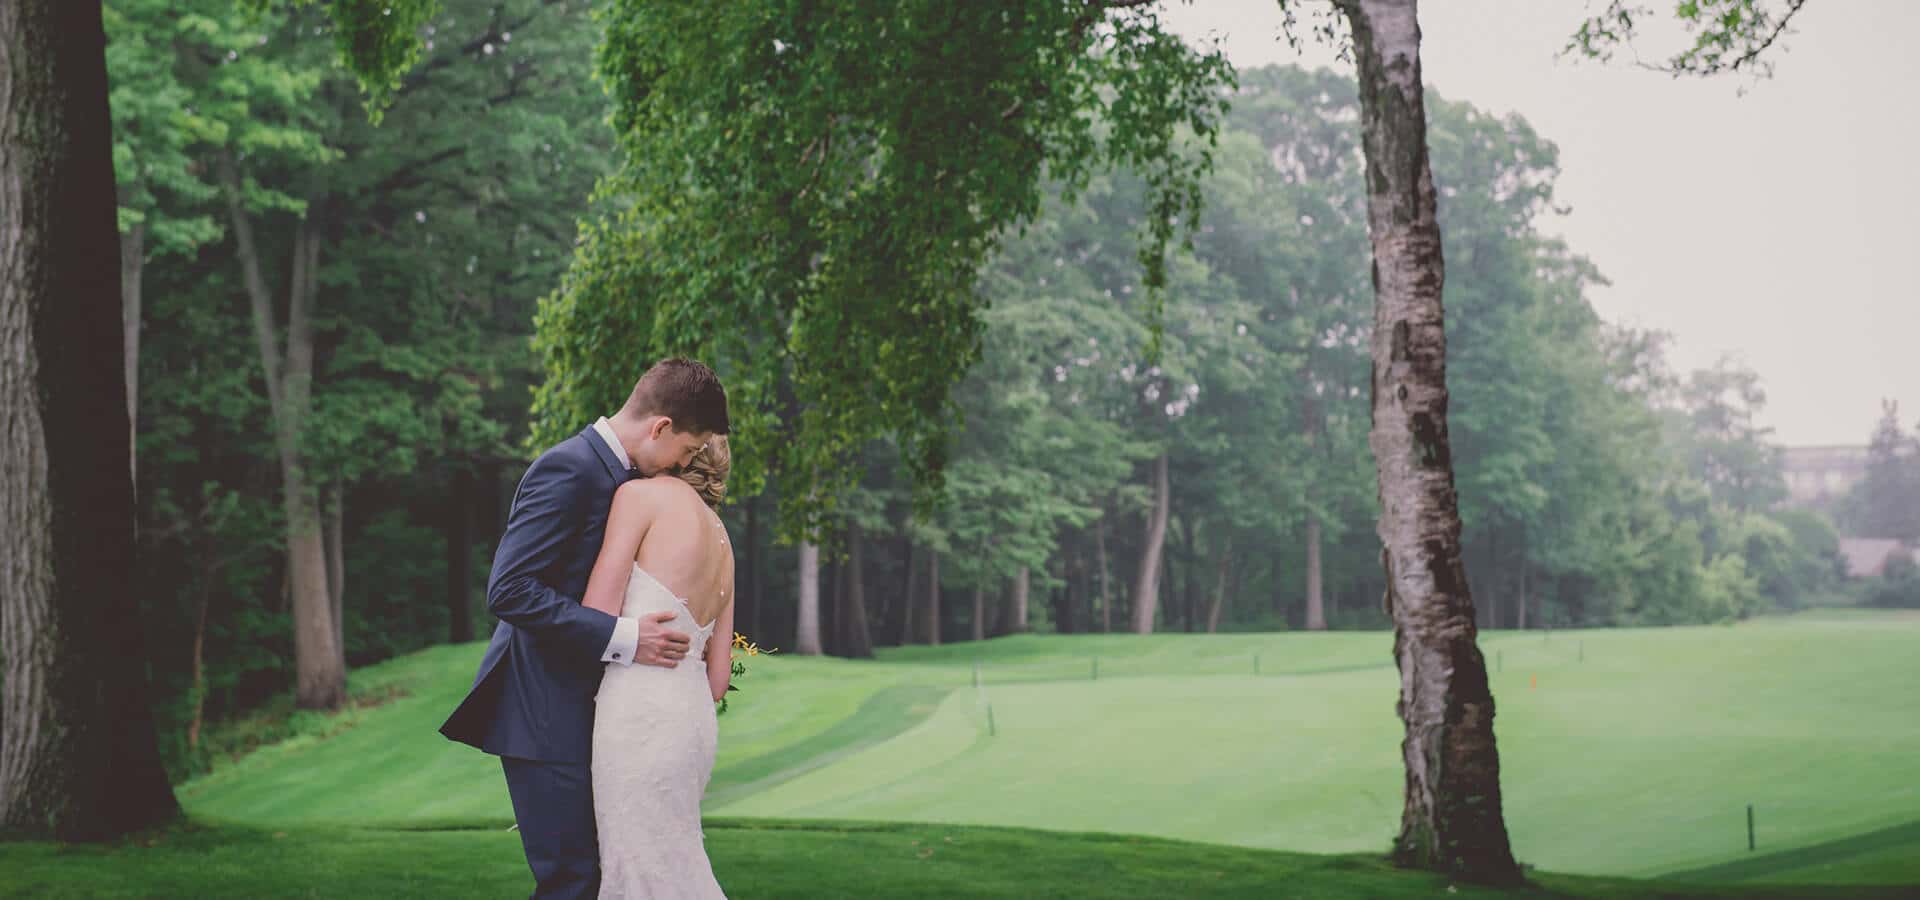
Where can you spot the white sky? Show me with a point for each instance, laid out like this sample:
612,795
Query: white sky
1767,225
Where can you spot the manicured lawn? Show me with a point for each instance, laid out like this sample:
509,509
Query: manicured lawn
1625,752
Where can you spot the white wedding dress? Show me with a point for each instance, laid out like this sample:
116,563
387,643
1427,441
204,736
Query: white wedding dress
653,741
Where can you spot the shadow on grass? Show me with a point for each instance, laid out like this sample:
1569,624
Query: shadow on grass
1771,865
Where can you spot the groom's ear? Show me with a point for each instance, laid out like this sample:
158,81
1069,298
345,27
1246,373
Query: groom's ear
658,427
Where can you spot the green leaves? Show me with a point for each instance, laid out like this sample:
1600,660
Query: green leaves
810,192
376,40
1728,35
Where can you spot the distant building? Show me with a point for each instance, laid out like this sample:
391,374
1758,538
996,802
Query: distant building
1818,476
1867,557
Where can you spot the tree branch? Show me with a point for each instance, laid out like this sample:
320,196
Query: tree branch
264,329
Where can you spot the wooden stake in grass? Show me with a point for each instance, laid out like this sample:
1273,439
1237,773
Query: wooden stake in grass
990,728
1749,827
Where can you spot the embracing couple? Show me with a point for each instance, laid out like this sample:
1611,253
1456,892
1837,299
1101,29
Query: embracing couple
614,588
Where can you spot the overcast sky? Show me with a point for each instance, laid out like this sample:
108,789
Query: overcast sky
1766,225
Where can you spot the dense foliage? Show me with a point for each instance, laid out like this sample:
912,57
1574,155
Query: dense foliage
802,202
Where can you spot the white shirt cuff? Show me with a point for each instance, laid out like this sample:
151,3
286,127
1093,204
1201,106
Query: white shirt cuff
626,638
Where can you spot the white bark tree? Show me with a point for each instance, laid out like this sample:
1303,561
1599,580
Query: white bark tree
1451,819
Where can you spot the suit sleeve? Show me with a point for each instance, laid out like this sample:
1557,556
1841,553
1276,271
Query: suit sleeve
545,523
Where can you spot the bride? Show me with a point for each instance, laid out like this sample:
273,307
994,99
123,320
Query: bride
654,728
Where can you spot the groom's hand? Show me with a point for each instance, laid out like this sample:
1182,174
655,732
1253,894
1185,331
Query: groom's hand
660,645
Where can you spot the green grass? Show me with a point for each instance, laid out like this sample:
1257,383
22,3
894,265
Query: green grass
1877,857
758,859
1636,754
1624,753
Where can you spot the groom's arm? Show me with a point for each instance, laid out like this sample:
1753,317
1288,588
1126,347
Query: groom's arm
545,523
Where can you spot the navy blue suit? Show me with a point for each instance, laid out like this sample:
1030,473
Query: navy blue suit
532,701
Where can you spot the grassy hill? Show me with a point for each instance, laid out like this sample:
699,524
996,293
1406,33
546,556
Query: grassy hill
1625,753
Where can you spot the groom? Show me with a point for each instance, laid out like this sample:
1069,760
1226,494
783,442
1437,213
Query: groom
532,702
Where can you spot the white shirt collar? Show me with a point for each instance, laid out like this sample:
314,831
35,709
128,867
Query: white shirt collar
605,429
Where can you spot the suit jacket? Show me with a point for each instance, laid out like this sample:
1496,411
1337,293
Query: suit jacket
533,696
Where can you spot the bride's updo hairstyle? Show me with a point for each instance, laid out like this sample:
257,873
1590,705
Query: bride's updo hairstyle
707,472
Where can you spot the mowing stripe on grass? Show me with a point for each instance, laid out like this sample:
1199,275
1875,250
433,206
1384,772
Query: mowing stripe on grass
887,713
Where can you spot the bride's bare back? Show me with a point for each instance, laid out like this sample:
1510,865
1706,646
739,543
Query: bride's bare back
685,546
662,525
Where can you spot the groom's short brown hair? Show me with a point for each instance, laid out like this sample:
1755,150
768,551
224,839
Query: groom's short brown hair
682,390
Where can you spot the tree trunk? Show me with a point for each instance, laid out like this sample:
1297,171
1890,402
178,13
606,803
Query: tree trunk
337,563
1316,601
1192,582
1106,594
197,686
458,531
1486,612
1170,571
910,596
319,681
746,604
1022,591
1280,605
933,597
1219,588
133,255
1452,820
882,616
1146,589
1521,613
79,758
1238,587
806,638
833,596
320,666
1065,610
856,639
979,613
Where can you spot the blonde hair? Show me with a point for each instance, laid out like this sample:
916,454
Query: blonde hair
708,469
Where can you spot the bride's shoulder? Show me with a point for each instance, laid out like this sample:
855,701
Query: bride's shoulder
655,490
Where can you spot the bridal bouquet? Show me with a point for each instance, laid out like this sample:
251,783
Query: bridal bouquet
741,649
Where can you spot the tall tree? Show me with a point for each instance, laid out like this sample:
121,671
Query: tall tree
77,750
1452,818
320,661
1727,447
78,758
1886,503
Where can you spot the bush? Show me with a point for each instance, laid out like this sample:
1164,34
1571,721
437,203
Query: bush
1898,586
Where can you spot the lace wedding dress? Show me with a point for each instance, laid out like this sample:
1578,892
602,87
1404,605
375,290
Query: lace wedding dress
653,741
